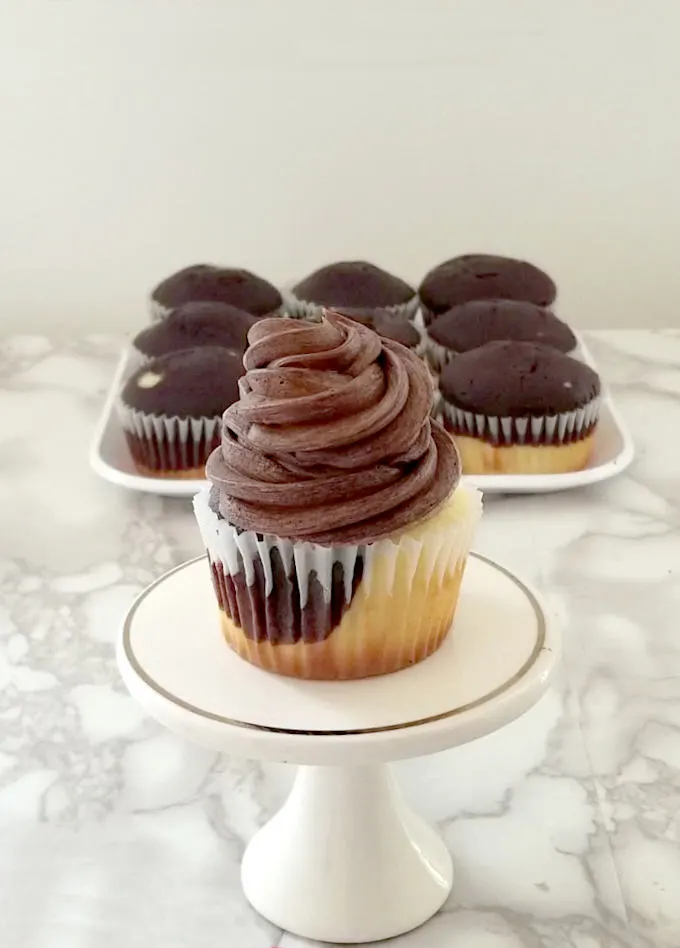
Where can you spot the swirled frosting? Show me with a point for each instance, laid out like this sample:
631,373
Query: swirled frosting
331,440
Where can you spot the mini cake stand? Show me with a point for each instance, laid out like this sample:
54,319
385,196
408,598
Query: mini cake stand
345,859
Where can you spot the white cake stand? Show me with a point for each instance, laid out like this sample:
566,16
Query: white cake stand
345,859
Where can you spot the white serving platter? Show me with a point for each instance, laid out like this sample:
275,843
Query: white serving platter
613,452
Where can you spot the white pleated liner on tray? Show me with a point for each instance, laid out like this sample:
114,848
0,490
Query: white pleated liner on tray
549,429
237,551
184,439
302,309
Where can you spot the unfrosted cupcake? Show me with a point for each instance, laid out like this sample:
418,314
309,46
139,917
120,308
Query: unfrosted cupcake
389,324
470,325
335,526
483,276
203,282
171,409
351,284
191,326
520,408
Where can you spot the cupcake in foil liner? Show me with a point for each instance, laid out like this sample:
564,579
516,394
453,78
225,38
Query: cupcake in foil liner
168,446
340,611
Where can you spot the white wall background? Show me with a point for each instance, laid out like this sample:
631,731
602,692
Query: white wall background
137,136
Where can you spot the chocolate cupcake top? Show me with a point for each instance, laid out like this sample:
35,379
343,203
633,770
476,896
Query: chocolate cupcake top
196,324
353,284
386,323
204,282
480,276
331,440
193,383
517,379
473,324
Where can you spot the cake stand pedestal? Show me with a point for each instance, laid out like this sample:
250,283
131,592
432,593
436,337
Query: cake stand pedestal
345,859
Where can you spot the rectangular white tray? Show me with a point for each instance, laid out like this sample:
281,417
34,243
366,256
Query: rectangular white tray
613,452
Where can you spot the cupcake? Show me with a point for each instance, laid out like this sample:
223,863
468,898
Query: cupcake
470,325
171,409
351,285
203,283
520,408
388,323
335,526
481,276
194,325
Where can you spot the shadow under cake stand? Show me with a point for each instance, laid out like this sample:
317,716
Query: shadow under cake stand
345,859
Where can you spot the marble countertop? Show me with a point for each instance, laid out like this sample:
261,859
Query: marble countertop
565,826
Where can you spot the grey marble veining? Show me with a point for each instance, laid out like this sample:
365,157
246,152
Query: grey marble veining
565,826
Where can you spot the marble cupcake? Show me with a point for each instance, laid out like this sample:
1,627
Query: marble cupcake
335,525
520,408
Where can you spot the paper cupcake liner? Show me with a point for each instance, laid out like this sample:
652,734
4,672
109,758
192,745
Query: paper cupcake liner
158,312
167,444
282,593
301,309
435,355
557,429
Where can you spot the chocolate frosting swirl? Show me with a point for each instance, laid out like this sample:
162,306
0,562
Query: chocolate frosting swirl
331,440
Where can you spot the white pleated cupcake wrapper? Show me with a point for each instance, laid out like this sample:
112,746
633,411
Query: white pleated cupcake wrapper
157,311
437,356
548,429
300,309
442,551
181,436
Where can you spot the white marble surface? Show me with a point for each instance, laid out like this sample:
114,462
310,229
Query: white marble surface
565,827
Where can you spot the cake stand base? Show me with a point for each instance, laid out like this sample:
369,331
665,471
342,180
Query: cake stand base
346,860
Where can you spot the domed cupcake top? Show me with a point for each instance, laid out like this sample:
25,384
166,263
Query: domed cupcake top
331,440
205,282
479,276
470,325
353,283
517,379
196,324
386,323
192,383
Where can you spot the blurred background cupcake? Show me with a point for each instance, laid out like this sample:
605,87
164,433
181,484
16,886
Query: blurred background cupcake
520,408
481,276
336,527
390,325
194,325
470,325
204,282
171,409
351,285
